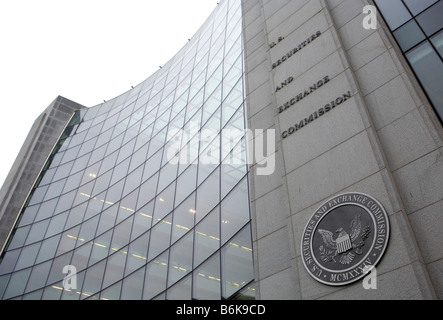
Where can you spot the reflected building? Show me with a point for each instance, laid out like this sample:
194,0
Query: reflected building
158,193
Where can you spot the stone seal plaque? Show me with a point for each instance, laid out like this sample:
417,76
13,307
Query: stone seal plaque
345,236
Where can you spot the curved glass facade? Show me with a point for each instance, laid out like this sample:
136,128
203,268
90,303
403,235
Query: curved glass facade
146,195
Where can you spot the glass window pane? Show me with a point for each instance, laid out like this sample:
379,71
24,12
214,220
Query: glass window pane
46,209
19,237
115,267
181,291
207,237
17,284
37,232
417,6
38,276
437,41
132,286
48,249
394,12
429,69
432,19
93,279
100,248
180,260
137,254
122,233
183,218
207,280
164,203
160,237
186,184
112,293
27,256
155,280
9,261
237,270
409,35
142,220
208,195
234,210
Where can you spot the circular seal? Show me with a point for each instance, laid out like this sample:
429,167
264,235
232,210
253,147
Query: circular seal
344,238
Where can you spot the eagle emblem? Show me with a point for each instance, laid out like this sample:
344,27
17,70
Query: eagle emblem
346,245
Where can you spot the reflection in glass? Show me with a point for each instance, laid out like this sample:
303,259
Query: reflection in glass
437,41
394,12
429,69
207,280
237,263
409,35
431,20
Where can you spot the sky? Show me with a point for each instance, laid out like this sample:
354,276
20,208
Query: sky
84,50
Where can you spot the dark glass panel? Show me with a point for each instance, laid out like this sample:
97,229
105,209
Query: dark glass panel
38,276
46,210
431,20
394,12
38,195
65,202
429,69
28,215
27,256
437,41
57,224
417,6
17,284
48,249
9,261
37,232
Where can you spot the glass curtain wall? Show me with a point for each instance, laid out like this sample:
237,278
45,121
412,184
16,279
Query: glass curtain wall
417,25
146,195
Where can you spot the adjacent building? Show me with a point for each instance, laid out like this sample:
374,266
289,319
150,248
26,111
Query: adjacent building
287,149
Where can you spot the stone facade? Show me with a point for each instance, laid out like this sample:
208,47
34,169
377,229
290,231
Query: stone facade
383,139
